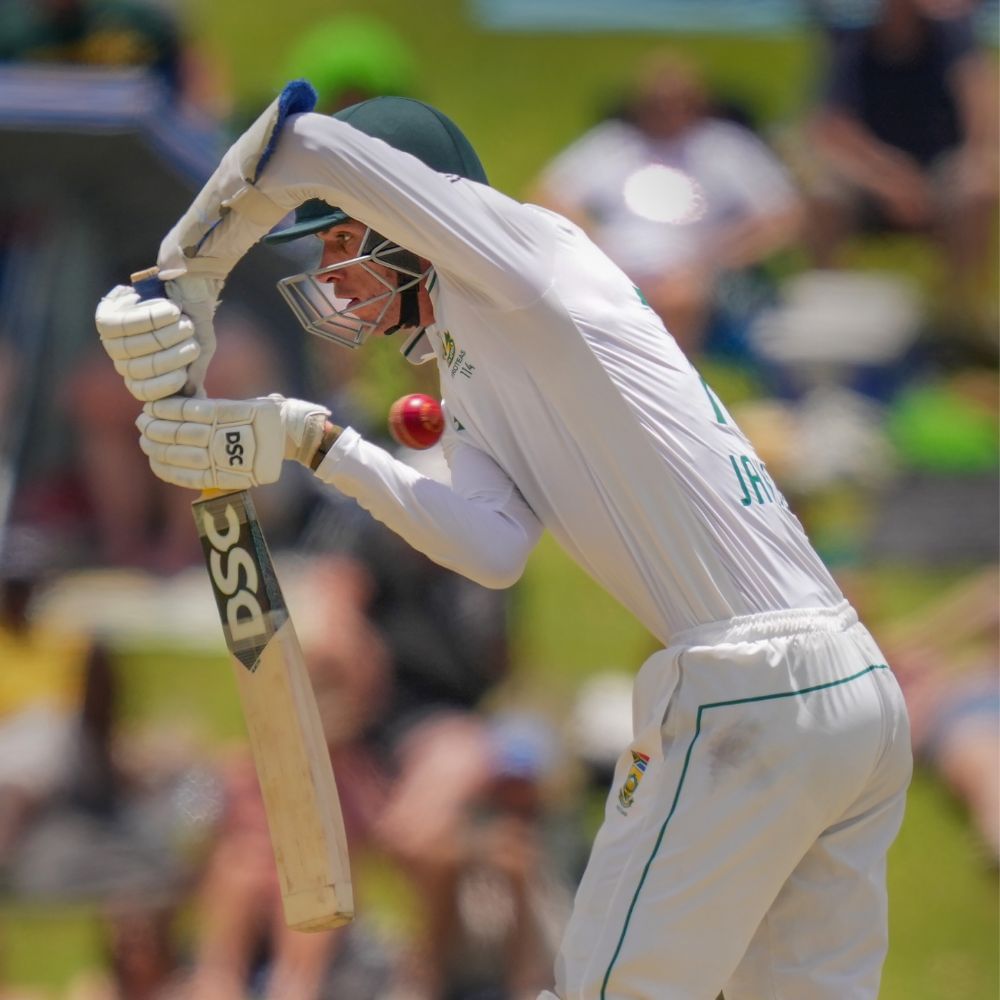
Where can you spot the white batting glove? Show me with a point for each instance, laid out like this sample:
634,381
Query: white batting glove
159,348
223,444
198,298
151,342
303,423
228,444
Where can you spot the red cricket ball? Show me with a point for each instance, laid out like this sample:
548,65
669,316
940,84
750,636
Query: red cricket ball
416,421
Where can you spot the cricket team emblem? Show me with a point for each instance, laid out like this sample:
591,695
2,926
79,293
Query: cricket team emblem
454,358
627,792
448,347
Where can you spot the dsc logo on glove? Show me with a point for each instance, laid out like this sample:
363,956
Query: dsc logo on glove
234,447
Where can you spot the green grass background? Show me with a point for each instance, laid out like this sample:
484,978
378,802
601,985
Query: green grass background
520,98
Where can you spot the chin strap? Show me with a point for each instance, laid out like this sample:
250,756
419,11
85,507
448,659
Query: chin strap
404,261
409,306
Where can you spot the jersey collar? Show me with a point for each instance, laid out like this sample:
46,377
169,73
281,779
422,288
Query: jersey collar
418,348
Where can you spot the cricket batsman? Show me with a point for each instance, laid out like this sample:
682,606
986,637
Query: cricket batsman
744,841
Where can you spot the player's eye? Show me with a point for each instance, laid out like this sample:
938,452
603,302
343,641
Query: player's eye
338,242
340,239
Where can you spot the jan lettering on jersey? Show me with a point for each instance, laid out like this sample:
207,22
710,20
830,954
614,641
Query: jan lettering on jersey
755,483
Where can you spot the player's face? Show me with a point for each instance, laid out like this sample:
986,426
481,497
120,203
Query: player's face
367,285
362,286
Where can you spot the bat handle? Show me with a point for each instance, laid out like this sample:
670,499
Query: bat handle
147,283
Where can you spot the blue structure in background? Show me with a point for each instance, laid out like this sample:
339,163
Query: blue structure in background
723,16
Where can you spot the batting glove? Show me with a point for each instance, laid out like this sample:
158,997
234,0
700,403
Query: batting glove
198,298
161,347
150,341
228,444
303,424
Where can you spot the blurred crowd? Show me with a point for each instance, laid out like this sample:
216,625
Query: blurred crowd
835,279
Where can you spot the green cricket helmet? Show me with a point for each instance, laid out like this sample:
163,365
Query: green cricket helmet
413,127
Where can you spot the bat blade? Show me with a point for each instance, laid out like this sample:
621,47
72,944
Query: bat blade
286,736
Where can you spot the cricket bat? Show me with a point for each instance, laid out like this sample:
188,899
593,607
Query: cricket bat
282,719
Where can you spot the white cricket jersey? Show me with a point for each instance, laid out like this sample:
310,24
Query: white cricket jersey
570,406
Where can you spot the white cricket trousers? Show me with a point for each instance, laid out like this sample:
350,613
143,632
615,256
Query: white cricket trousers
745,835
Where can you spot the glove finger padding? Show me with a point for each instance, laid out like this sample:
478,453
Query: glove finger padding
189,479
121,313
149,389
182,456
209,411
151,342
213,444
161,363
167,432
138,345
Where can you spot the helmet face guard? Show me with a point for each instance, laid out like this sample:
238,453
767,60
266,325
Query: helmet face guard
434,139
318,308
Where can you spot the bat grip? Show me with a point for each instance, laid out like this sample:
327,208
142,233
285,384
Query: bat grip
147,283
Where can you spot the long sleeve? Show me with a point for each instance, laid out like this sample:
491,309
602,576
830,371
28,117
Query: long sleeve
497,247
480,526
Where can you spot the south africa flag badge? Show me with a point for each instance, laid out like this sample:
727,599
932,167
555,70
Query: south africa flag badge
627,792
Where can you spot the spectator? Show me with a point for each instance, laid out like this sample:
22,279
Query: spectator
906,139
39,687
945,656
111,33
677,196
243,947
504,876
121,72
139,942
79,820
